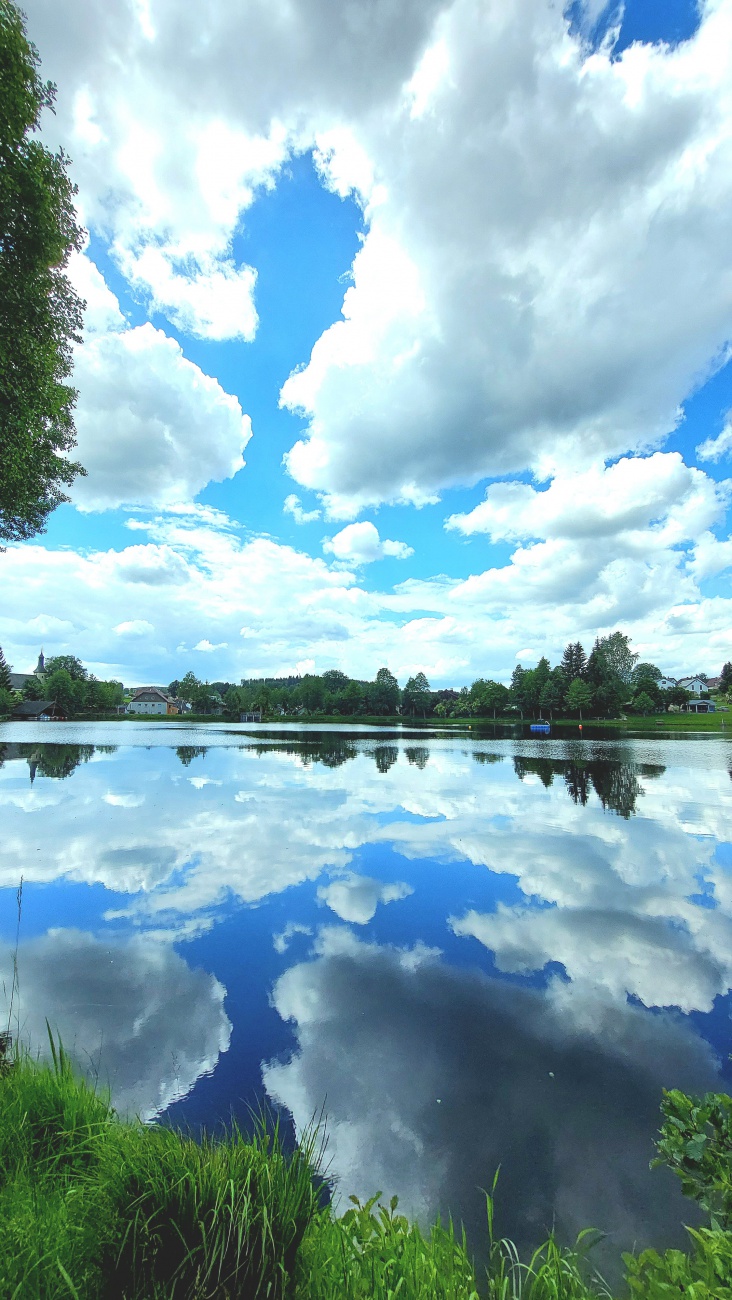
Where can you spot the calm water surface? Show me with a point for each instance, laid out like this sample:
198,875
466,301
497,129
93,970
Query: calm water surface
471,952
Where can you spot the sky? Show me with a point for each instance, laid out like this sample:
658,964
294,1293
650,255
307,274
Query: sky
407,338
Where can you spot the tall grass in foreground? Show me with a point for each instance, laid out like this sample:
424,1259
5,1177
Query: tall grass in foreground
92,1207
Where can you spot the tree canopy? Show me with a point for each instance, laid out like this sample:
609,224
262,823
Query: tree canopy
40,313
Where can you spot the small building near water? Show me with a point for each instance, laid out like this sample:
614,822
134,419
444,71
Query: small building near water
38,711
700,706
256,716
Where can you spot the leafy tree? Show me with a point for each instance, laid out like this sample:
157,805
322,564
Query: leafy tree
726,678
520,690
69,663
676,695
32,689
384,693
173,688
6,702
488,697
59,687
644,704
574,661
579,696
417,696
311,693
643,673
188,687
4,673
232,700
553,692
40,314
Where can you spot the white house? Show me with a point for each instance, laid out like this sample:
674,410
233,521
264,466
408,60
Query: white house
693,684
148,699
666,683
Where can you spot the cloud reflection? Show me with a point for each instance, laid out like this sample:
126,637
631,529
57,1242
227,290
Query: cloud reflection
433,1077
133,1015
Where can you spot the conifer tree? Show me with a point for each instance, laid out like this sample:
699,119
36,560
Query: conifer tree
4,672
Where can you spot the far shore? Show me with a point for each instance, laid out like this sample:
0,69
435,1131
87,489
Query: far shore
677,722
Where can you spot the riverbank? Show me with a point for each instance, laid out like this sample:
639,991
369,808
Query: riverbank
93,1205
658,724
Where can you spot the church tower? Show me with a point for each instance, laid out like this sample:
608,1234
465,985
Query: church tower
40,667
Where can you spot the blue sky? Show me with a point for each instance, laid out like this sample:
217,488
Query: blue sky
494,268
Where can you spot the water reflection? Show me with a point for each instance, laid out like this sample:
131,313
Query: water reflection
435,1077
455,942
133,1014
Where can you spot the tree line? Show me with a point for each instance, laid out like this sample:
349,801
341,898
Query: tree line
608,681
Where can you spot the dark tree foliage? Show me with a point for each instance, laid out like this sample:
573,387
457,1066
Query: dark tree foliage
69,664
40,314
726,678
574,661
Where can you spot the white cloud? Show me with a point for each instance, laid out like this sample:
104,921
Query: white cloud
361,544
543,278
657,499
544,318
207,646
153,429
271,609
356,898
293,506
134,627
717,448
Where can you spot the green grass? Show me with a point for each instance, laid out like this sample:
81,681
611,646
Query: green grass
92,1206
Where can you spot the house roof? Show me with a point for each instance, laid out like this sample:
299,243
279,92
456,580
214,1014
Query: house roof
34,708
149,693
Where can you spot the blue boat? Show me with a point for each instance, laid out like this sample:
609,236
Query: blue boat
542,727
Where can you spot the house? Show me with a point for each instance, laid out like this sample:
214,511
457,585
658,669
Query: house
667,683
693,684
150,699
714,683
700,706
38,711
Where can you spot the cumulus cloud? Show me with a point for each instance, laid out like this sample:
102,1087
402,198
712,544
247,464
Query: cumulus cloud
134,1015
529,245
654,498
293,506
272,610
717,448
361,544
543,276
435,1076
356,898
153,429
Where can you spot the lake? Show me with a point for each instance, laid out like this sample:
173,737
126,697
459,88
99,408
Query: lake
464,952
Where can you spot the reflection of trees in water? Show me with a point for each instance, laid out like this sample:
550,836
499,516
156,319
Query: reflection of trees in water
616,784
187,753
333,753
418,756
544,768
58,761
385,756
577,780
482,756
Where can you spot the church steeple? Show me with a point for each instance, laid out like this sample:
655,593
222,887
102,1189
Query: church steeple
41,665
